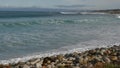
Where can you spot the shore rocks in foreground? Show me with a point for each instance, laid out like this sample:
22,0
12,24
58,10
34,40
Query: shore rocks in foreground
96,58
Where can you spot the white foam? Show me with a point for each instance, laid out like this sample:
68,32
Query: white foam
118,16
66,13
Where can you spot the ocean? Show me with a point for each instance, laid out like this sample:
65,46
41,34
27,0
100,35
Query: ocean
25,35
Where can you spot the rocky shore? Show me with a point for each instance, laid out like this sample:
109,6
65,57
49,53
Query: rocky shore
96,58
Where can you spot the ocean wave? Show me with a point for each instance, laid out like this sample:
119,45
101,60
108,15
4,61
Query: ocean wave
39,22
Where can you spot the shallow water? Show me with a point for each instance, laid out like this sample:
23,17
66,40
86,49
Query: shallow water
27,35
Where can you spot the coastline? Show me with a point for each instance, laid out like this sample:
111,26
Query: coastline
94,58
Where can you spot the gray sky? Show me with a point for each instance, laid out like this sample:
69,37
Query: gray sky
66,4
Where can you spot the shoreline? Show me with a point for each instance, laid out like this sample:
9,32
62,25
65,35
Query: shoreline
87,59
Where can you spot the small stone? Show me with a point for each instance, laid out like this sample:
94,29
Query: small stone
60,57
5,66
89,65
48,62
114,58
44,66
81,60
61,65
53,64
38,65
49,66
35,61
28,63
106,59
71,58
98,65
75,54
26,66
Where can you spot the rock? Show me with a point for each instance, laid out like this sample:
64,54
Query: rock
28,63
5,66
44,66
35,61
60,57
106,59
76,67
38,65
75,54
68,66
76,61
26,66
49,66
56,61
81,60
98,58
114,58
46,60
95,58
94,61
71,58
53,64
85,61
92,52
61,65
89,65
107,52
99,65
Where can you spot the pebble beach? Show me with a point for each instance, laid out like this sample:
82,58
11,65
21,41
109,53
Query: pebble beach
96,58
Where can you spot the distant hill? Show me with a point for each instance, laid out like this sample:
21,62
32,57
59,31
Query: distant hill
110,11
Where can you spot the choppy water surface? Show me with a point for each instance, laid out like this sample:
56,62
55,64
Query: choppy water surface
26,35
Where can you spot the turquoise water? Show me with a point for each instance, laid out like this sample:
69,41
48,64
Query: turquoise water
30,34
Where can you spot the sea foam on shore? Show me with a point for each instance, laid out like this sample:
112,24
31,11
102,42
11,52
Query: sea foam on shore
73,59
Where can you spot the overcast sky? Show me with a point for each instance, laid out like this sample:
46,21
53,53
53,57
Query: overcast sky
69,4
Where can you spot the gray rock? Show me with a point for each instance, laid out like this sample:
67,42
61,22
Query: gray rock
26,66
53,64
38,65
35,61
49,66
